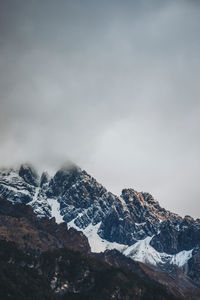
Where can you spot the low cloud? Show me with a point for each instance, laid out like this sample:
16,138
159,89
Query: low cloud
111,85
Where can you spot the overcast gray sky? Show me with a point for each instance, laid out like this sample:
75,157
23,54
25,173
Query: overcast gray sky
112,85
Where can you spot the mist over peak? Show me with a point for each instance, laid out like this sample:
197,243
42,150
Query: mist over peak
112,86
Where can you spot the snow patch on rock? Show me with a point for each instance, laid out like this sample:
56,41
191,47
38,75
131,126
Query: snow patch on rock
142,251
181,258
55,210
97,244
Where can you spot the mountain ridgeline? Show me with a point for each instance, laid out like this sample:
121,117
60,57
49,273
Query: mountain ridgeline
124,229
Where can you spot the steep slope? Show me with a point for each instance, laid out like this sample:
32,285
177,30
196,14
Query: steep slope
133,223
175,281
28,271
19,224
65,274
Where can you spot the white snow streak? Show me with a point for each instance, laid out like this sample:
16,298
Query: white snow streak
144,252
55,210
97,244
181,258
141,251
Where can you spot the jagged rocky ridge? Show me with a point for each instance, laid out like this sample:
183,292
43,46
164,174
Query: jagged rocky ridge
133,223
29,271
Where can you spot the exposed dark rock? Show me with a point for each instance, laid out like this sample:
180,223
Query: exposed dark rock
194,266
29,174
177,236
126,219
44,179
19,224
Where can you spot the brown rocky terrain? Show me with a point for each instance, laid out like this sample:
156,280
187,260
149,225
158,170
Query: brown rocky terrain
39,249
19,224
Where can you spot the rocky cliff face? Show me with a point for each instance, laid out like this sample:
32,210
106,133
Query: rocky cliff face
38,261
19,224
133,223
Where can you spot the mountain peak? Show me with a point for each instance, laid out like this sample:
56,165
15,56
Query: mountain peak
139,198
109,221
69,166
29,174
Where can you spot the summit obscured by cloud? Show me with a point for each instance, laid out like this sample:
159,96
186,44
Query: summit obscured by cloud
110,85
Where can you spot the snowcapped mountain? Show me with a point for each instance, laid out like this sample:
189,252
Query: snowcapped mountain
133,223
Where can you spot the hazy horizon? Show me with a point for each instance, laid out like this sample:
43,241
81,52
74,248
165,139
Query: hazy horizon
110,85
